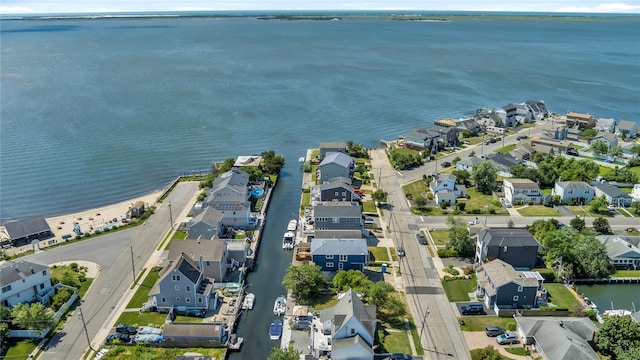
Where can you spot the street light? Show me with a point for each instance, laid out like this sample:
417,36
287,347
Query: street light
424,320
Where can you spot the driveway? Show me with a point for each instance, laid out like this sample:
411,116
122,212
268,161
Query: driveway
478,340
564,211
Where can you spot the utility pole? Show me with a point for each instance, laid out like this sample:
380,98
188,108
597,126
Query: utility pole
84,325
133,266
424,320
170,216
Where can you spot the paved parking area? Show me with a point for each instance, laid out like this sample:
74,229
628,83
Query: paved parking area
478,340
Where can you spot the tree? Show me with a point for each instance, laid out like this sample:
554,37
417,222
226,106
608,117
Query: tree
589,133
467,134
599,147
616,151
32,317
485,175
601,226
617,334
304,281
5,317
279,353
592,260
271,163
598,204
379,293
455,160
636,207
472,153
351,279
420,202
461,176
459,238
577,223
379,196
61,297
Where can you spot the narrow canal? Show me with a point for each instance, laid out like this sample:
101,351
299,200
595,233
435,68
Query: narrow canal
266,279
612,296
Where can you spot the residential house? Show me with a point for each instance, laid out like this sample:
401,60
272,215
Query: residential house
230,187
469,125
504,163
449,135
581,121
558,338
339,215
468,164
445,196
339,189
521,191
523,114
635,193
516,247
22,232
328,148
216,260
537,109
136,210
628,128
421,139
608,138
548,146
613,194
346,331
623,251
605,125
338,234
505,288
489,119
339,254
182,285
510,116
335,165
574,192
206,225
555,131
24,281
523,151
444,188
203,334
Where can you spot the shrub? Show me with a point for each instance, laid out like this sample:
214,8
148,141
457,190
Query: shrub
591,314
444,204
492,211
73,266
445,253
461,205
474,211
61,297
530,203
511,326
468,270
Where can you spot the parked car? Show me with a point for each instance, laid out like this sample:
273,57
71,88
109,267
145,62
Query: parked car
493,331
611,208
466,142
487,142
396,356
369,221
492,140
401,252
126,329
472,309
508,338
497,139
446,164
422,240
121,337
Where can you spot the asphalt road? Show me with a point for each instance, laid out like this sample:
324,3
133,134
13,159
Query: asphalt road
113,253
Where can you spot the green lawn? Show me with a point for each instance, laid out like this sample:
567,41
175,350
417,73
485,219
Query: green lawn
546,191
428,211
84,286
378,253
414,189
394,342
440,237
142,294
458,290
624,212
479,200
369,206
19,350
156,353
636,169
481,354
517,350
507,149
560,296
538,210
179,235
626,273
157,319
478,323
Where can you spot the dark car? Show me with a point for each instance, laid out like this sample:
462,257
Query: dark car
126,329
498,139
121,337
492,140
472,309
446,164
395,356
422,240
493,331
401,252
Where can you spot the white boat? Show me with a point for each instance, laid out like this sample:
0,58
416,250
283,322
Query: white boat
280,306
275,330
249,299
288,240
301,159
293,225
618,312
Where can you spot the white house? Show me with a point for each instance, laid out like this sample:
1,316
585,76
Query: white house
622,250
229,187
468,163
522,191
574,192
23,281
635,193
444,187
613,194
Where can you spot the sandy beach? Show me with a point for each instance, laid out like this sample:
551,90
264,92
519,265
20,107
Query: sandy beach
98,217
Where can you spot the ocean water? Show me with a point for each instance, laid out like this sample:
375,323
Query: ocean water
94,111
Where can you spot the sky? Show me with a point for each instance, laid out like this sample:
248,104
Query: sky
95,6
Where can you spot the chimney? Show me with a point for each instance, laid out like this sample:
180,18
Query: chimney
32,270
201,263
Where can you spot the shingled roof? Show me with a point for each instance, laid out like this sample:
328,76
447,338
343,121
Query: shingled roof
27,227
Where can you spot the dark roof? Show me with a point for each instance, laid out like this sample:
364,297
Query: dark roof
11,271
612,191
505,160
507,237
27,227
188,267
342,209
333,185
210,250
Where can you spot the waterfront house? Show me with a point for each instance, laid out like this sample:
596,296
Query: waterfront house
509,117
340,254
468,125
346,331
338,189
230,187
330,147
555,131
24,281
215,254
22,232
468,164
182,285
517,247
523,114
548,146
521,191
581,121
605,125
335,165
489,119
206,335
574,192
558,338
628,128
206,225
337,215
608,138
505,288
623,251
340,234
613,194
420,139
449,135
537,109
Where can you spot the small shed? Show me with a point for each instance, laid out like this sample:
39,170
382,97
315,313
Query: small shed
136,210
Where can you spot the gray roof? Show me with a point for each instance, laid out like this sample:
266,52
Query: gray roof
522,183
502,273
626,125
12,271
560,338
339,246
341,180
350,306
205,224
338,234
612,191
31,226
234,177
621,246
472,161
343,209
574,185
333,185
210,250
197,330
505,160
507,237
339,158
445,195
338,344
607,135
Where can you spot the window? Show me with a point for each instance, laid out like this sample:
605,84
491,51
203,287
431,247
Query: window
329,264
328,256
340,266
178,299
175,277
164,300
336,193
41,286
515,298
177,287
188,300
6,288
336,220
353,331
44,273
520,288
199,299
208,263
343,257
188,288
